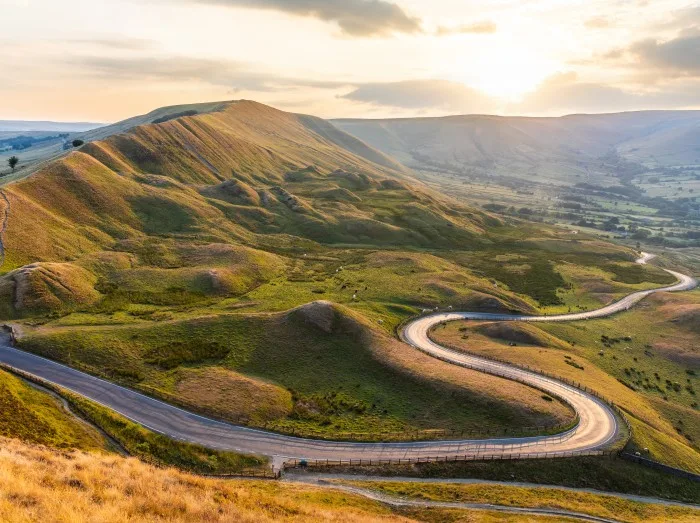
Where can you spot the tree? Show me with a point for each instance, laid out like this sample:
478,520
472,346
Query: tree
12,161
77,143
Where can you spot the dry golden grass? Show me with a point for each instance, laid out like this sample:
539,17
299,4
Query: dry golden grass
533,497
38,484
231,394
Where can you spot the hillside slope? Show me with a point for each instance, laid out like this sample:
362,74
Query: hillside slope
117,254
225,175
519,146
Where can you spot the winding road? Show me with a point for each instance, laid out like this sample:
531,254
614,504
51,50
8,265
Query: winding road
597,426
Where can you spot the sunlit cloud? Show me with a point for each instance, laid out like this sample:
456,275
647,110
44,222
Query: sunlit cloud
597,22
424,94
335,58
485,27
354,17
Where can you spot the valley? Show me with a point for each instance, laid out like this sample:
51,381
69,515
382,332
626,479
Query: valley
349,261
255,267
629,176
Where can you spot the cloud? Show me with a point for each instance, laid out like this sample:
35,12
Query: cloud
680,55
565,93
597,22
122,44
656,59
485,27
232,74
682,18
423,94
354,17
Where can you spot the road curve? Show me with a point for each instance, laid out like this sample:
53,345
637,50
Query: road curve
597,422
596,428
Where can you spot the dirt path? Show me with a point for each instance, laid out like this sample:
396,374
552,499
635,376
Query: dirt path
321,478
405,502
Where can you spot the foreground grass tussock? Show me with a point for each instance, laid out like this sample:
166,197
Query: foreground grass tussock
37,484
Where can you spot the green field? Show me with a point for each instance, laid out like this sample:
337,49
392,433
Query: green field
645,360
317,370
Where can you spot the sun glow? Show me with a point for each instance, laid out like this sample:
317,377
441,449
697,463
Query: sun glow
508,73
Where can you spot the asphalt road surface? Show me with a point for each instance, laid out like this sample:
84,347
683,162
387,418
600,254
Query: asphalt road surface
597,425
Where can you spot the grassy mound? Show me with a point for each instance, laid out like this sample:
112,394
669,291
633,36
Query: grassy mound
44,287
319,369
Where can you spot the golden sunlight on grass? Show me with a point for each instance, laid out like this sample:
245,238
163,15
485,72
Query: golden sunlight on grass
38,484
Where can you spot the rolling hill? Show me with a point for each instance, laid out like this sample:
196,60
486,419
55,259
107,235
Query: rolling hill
554,149
629,175
235,217
236,173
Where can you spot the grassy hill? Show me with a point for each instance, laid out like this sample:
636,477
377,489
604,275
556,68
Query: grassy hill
646,359
515,144
627,175
185,251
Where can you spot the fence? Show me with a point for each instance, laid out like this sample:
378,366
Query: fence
571,383
301,463
660,466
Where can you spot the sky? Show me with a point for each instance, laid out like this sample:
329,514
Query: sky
106,60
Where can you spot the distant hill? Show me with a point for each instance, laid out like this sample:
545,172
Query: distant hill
555,149
21,126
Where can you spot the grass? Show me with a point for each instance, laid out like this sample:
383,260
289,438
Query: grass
582,502
34,416
641,359
176,241
605,474
635,274
162,450
37,484
319,370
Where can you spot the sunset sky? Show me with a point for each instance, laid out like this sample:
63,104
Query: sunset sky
104,60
